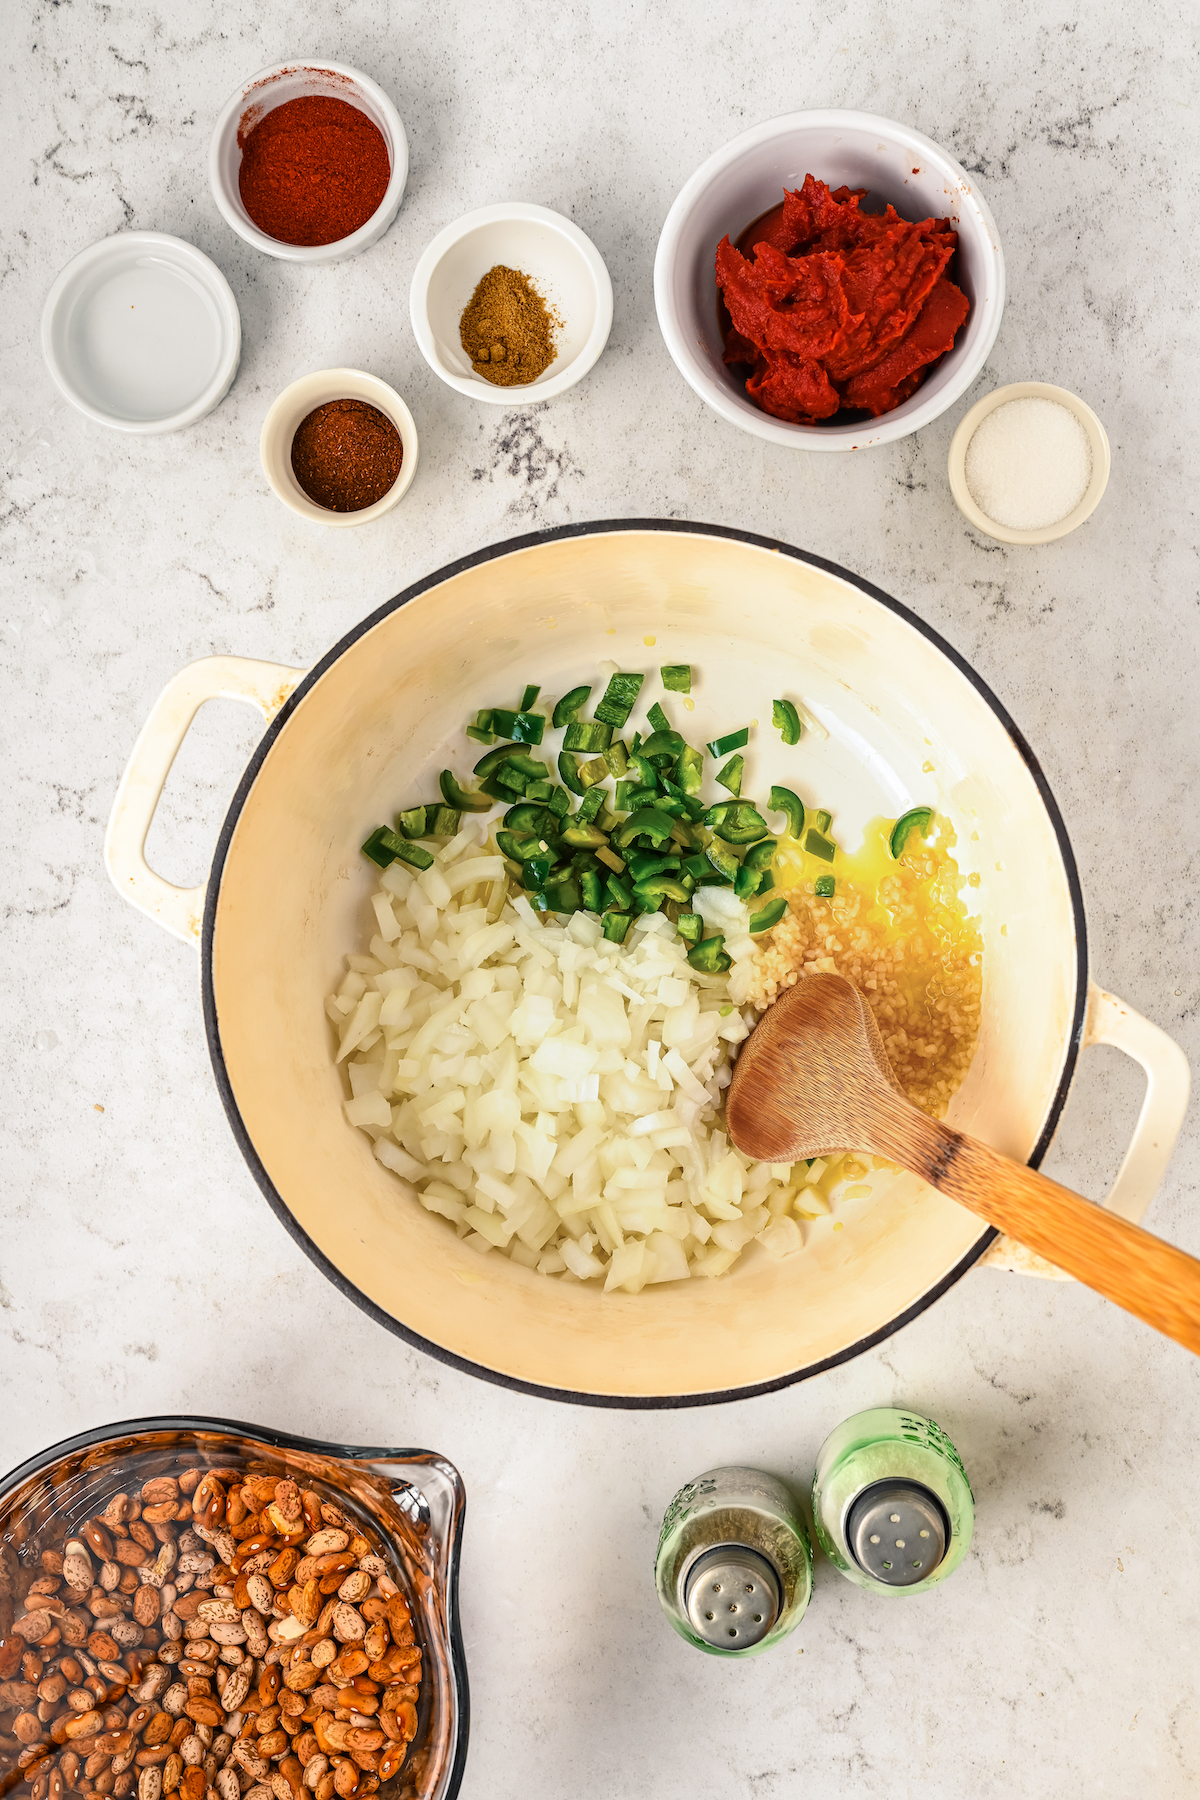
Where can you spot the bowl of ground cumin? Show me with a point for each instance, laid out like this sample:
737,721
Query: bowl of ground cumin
508,299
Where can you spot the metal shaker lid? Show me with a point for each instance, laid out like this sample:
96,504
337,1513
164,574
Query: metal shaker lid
897,1531
732,1596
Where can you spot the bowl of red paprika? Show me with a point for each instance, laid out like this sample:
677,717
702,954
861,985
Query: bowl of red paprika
308,162
811,340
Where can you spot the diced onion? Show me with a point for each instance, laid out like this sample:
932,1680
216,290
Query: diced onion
555,1096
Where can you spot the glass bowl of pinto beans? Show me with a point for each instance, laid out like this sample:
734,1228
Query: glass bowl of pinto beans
205,1610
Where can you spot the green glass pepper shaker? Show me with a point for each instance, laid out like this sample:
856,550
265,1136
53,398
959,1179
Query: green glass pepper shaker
892,1505
734,1563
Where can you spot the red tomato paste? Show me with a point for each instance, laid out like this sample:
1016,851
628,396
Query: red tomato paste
834,308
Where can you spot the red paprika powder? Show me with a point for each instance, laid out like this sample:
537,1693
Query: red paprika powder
313,170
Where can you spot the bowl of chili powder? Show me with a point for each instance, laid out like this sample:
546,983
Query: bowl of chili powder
803,311
339,447
309,162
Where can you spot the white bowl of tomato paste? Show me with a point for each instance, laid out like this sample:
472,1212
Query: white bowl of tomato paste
837,325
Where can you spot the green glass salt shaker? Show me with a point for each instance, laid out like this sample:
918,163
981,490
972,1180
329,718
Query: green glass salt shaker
892,1505
734,1563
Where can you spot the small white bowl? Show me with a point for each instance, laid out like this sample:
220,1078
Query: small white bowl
969,425
261,94
745,178
293,407
141,332
563,264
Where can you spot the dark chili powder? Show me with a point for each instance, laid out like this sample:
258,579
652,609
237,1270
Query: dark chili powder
313,170
346,455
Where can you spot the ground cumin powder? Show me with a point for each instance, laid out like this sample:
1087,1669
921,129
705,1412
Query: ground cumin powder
507,329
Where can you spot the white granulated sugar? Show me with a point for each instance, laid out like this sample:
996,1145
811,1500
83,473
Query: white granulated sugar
1028,464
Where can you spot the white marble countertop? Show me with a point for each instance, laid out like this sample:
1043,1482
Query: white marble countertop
140,1270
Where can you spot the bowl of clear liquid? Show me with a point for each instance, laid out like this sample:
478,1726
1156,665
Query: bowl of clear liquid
141,332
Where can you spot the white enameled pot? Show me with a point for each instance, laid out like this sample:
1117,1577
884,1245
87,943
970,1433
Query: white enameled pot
900,719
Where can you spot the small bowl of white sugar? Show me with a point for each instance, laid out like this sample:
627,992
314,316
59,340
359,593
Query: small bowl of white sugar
1029,463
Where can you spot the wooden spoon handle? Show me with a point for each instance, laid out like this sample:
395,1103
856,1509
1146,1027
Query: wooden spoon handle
1149,1278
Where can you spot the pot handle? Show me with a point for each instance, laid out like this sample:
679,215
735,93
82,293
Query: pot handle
266,685
1168,1081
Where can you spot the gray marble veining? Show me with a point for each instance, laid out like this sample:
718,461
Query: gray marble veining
140,1270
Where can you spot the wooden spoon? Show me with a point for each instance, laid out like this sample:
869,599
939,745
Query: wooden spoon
813,1078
